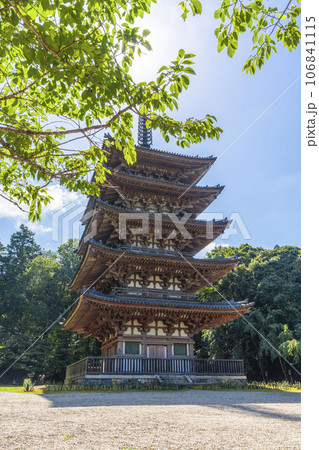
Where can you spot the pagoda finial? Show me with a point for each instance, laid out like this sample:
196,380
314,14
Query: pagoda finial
144,135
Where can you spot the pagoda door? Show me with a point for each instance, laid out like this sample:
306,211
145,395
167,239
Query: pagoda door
157,351
157,354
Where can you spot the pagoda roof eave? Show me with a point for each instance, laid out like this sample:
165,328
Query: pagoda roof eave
165,215
116,210
199,159
178,156
103,300
231,305
168,260
189,167
220,259
119,174
195,198
152,213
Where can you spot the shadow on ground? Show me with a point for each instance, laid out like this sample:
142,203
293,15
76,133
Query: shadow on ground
256,403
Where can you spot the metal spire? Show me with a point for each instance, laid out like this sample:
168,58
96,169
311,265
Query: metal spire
144,135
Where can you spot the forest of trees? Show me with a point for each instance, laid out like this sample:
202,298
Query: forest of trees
272,280
34,292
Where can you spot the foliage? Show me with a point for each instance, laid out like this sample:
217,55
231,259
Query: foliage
225,385
290,347
65,75
72,60
33,294
221,385
268,25
270,279
28,385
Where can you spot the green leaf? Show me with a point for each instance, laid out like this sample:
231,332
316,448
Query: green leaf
196,7
104,47
230,51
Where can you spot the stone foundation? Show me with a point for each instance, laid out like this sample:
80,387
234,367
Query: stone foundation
188,380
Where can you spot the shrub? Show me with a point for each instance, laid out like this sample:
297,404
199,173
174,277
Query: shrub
28,385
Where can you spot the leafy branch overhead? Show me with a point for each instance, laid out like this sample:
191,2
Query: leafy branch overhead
65,76
268,26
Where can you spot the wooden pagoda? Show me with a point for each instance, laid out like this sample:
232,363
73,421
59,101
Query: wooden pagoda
138,284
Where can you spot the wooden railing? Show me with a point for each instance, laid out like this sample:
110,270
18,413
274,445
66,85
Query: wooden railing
76,370
151,366
153,293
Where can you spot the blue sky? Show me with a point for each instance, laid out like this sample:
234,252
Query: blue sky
260,171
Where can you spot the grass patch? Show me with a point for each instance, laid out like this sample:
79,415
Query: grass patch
20,389
11,389
260,386
282,388
254,386
225,385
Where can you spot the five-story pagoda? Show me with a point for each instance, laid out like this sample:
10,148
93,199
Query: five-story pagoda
138,275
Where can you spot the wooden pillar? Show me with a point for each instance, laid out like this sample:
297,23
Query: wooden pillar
120,348
143,346
191,349
169,348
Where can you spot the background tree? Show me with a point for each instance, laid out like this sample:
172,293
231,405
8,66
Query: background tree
65,75
34,293
270,279
14,304
66,347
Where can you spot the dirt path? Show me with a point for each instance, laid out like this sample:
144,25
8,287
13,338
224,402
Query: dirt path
150,420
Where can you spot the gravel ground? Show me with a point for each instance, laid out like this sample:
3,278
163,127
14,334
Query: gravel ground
151,420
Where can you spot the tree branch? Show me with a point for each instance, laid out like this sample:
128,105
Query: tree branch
7,7
37,34
287,6
5,196
62,133
81,39
23,159
22,91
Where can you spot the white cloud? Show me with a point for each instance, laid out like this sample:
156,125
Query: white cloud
61,198
10,211
38,228
62,201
